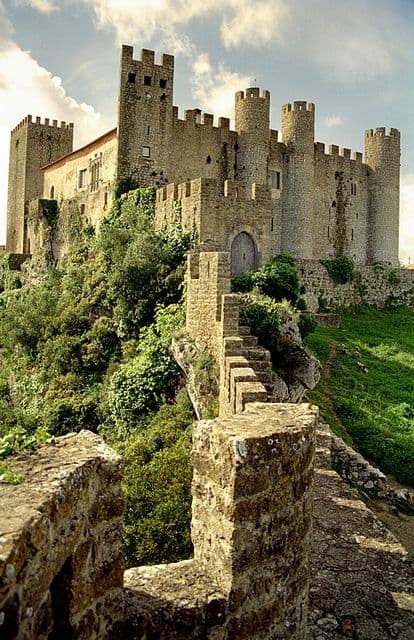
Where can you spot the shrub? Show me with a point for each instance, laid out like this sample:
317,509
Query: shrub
263,319
307,324
341,269
393,279
145,382
157,484
301,304
278,279
243,282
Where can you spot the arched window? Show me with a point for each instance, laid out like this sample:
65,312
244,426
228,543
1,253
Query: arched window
52,192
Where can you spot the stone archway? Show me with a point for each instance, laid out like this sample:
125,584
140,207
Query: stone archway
243,254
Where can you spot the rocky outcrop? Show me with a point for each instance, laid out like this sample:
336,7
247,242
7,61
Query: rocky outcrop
201,374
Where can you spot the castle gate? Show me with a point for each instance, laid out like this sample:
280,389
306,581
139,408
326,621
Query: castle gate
243,254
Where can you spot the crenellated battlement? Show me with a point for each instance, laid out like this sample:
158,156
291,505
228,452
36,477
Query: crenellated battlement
147,57
299,106
381,132
336,152
252,92
46,122
209,188
196,117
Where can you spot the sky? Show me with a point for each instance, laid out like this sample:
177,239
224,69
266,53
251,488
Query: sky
353,58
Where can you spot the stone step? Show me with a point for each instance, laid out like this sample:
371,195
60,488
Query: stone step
265,376
256,353
249,341
244,331
260,365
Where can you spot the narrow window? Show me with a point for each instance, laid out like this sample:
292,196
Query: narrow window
274,179
352,234
132,78
105,199
146,152
208,160
147,80
328,233
271,225
148,130
95,174
163,83
236,192
82,179
52,192
82,209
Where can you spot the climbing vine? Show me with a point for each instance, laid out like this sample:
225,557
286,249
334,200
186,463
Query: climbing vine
340,216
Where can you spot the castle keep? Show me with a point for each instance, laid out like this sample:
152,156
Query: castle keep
251,191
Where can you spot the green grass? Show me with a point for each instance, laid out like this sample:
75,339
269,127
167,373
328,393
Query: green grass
374,410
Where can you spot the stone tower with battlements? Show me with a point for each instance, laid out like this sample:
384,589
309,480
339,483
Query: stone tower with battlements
382,155
144,116
298,134
252,126
33,144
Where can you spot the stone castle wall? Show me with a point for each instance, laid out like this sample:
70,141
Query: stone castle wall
376,285
213,318
340,204
218,214
61,563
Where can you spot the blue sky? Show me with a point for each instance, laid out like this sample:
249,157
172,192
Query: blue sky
353,58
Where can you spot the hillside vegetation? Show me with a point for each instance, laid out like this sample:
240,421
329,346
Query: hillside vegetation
87,346
366,392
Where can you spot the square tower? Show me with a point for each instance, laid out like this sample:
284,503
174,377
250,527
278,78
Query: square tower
144,116
32,146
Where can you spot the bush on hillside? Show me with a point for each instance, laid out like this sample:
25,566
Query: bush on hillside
341,269
157,485
278,279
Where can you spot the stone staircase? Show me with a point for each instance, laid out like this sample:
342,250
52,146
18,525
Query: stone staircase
259,360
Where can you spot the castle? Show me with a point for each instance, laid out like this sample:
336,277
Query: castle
253,194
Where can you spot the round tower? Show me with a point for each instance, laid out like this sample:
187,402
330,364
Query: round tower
252,124
298,134
382,155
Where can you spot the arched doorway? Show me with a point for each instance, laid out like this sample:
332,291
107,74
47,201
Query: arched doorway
243,254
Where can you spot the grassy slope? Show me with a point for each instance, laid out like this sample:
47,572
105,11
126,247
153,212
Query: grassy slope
375,410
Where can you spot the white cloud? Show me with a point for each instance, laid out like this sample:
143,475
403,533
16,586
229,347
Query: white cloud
407,218
254,23
214,88
44,6
350,40
334,120
140,20
26,87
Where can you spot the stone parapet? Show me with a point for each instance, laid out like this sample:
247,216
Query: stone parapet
61,563
251,526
